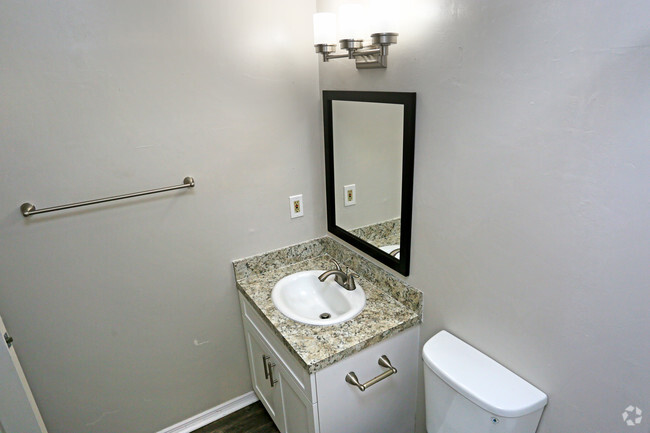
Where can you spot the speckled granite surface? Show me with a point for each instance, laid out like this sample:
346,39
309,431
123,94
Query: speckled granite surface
391,305
381,234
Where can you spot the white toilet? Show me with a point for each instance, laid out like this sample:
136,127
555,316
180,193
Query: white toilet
467,392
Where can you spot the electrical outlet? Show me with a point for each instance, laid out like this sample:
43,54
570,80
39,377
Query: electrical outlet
350,194
295,203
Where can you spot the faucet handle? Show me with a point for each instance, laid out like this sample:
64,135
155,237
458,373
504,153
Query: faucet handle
350,284
349,271
338,266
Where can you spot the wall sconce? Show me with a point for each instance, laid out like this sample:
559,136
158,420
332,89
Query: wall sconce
350,31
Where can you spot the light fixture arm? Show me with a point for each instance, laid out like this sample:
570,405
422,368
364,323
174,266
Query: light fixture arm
369,57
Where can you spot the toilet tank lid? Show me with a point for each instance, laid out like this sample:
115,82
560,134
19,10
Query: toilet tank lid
479,378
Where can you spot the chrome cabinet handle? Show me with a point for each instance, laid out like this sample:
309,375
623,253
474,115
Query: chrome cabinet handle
352,378
266,370
272,380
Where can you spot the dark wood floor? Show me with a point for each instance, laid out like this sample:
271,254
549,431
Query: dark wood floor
251,419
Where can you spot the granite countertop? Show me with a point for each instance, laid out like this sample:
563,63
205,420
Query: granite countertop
316,347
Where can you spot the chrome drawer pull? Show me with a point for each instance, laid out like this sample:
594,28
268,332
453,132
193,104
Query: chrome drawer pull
266,369
273,381
352,378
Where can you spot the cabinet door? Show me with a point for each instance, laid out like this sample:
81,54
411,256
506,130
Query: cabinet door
260,360
299,413
305,381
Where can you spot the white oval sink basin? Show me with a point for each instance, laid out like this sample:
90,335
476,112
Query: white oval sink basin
305,299
390,248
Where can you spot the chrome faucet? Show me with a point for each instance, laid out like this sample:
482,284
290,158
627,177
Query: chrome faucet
345,280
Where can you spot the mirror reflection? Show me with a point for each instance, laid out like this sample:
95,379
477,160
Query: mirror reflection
367,139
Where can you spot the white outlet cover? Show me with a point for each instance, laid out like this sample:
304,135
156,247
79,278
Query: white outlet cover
352,188
295,204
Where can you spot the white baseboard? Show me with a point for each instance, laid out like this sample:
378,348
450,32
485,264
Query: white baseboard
211,415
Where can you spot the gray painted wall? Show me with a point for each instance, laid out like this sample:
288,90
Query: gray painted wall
125,315
532,166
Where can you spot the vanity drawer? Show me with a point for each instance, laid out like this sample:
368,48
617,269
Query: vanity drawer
303,381
388,406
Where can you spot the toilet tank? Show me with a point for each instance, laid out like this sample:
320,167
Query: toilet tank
468,392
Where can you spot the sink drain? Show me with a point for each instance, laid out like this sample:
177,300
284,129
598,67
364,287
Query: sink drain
325,316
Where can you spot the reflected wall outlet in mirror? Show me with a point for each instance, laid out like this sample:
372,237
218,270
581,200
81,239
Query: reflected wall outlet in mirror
350,192
295,203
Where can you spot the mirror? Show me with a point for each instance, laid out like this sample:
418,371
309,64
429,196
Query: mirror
369,142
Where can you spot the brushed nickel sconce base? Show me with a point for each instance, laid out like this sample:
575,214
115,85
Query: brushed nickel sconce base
371,57
325,50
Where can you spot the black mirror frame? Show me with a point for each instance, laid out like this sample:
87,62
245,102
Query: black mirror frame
407,99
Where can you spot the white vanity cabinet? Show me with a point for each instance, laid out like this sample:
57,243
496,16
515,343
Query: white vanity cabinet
280,383
323,402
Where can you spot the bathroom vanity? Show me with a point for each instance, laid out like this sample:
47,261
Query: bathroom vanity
299,371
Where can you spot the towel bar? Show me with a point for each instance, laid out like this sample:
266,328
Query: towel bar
28,209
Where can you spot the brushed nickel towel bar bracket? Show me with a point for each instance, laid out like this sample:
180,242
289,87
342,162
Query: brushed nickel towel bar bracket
352,378
28,209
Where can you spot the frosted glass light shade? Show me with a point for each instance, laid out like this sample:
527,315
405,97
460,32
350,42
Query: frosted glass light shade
325,28
351,21
385,17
